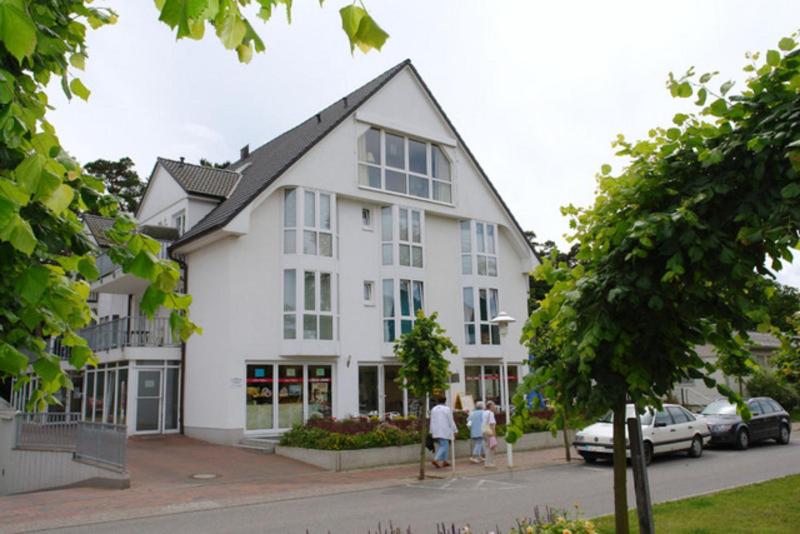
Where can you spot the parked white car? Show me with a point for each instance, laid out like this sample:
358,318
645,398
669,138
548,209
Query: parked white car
672,429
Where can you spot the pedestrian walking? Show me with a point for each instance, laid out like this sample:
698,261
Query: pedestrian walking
488,429
475,424
443,429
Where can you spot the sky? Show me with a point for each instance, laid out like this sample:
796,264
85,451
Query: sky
538,90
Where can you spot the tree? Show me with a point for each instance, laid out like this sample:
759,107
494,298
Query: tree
46,261
539,287
206,163
424,370
673,252
120,180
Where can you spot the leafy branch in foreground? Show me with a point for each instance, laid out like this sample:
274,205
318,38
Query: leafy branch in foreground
674,252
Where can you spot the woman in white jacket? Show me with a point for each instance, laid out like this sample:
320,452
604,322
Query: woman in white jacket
443,429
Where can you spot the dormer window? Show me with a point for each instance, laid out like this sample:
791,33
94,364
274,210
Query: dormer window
403,165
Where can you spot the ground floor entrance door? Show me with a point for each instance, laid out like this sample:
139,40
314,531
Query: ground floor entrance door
157,400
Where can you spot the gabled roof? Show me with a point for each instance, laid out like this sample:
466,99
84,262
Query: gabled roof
201,180
267,163
97,226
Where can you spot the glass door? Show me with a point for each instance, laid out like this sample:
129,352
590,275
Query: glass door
148,401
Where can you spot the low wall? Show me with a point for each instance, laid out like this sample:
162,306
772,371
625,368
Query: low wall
383,456
26,470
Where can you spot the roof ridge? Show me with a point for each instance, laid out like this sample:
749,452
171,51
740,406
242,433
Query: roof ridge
397,67
161,158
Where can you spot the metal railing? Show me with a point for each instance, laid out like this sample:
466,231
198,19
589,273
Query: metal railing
47,430
124,332
102,442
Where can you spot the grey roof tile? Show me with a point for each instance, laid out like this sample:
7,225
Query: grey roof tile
201,180
97,226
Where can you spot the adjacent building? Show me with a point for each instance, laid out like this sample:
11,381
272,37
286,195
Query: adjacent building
306,259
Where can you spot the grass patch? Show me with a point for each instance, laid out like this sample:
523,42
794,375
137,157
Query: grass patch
765,507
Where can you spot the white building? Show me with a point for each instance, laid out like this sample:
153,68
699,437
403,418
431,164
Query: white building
306,259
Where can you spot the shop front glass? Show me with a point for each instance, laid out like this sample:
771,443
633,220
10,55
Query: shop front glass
290,395
368,390
260,390
393,393
320,392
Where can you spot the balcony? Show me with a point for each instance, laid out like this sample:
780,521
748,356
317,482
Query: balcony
113,280
126,333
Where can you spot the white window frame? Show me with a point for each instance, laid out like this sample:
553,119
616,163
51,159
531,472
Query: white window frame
382,388
478,322
382,166
296,244
370,223
369,292
472,259
397,318
397,242
300,311
179,222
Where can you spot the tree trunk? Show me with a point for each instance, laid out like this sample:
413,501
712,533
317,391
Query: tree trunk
565,430
620,470
423,432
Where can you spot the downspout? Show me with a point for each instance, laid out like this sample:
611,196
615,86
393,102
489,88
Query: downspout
185,270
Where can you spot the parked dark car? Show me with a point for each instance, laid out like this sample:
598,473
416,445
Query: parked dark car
769,421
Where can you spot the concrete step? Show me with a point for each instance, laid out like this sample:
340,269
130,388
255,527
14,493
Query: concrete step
266,445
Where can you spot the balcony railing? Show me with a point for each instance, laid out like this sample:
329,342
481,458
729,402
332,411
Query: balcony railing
47,430
125,332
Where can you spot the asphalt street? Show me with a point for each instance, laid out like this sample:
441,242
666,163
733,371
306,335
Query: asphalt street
482,502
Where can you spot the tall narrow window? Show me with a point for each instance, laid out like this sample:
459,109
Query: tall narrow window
478,326
388,311
404,165
290,221
466,247
179,221
387,236
289,304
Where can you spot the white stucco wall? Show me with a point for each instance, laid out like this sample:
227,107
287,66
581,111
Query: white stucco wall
236,282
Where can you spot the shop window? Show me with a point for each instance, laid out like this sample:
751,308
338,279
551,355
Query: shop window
379,394
260,390
320,393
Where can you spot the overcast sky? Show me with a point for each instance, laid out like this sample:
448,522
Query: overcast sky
537,89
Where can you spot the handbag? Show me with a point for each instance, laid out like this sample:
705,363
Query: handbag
486,430
492,442
429,442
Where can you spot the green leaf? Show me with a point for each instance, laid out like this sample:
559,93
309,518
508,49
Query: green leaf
370,35
47,368
87,268
33,283
18,232
245,52
77,87
351,18
29,172
232,30
12,361
605,169
684,90
143,265
701,96
151,300
719,107
773,58
725,87
14,192
791,191
78,61
60,199
787,44
17,32
79,355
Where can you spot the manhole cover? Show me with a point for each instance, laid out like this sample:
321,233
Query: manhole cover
204,476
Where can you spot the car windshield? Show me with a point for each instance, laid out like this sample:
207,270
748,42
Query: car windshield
719,407
645,416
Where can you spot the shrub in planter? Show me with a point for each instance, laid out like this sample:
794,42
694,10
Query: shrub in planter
350,434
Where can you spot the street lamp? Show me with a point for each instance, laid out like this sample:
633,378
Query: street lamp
502,320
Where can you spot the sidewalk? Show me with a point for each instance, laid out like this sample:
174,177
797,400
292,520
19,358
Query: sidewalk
161,483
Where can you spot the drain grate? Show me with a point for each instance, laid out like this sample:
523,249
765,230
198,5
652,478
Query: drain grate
204,476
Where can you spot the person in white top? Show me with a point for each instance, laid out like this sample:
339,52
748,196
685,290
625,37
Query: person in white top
443,429
489,433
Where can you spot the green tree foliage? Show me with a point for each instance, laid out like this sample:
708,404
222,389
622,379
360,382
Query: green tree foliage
424,369
673,252
189,19
46,261
206,163
538,287
120,180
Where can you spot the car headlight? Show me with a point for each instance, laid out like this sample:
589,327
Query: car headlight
721,428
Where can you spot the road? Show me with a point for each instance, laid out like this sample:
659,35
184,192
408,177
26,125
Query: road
494,499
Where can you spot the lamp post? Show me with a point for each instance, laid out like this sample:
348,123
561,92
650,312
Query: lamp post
502,320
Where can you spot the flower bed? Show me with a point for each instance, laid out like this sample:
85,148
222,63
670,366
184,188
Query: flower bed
368,432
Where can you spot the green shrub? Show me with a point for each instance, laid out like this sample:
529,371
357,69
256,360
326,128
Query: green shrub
383,435
769,384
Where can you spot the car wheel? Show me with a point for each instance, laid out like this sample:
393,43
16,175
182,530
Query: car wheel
696,450
648,453
742,439
783,436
